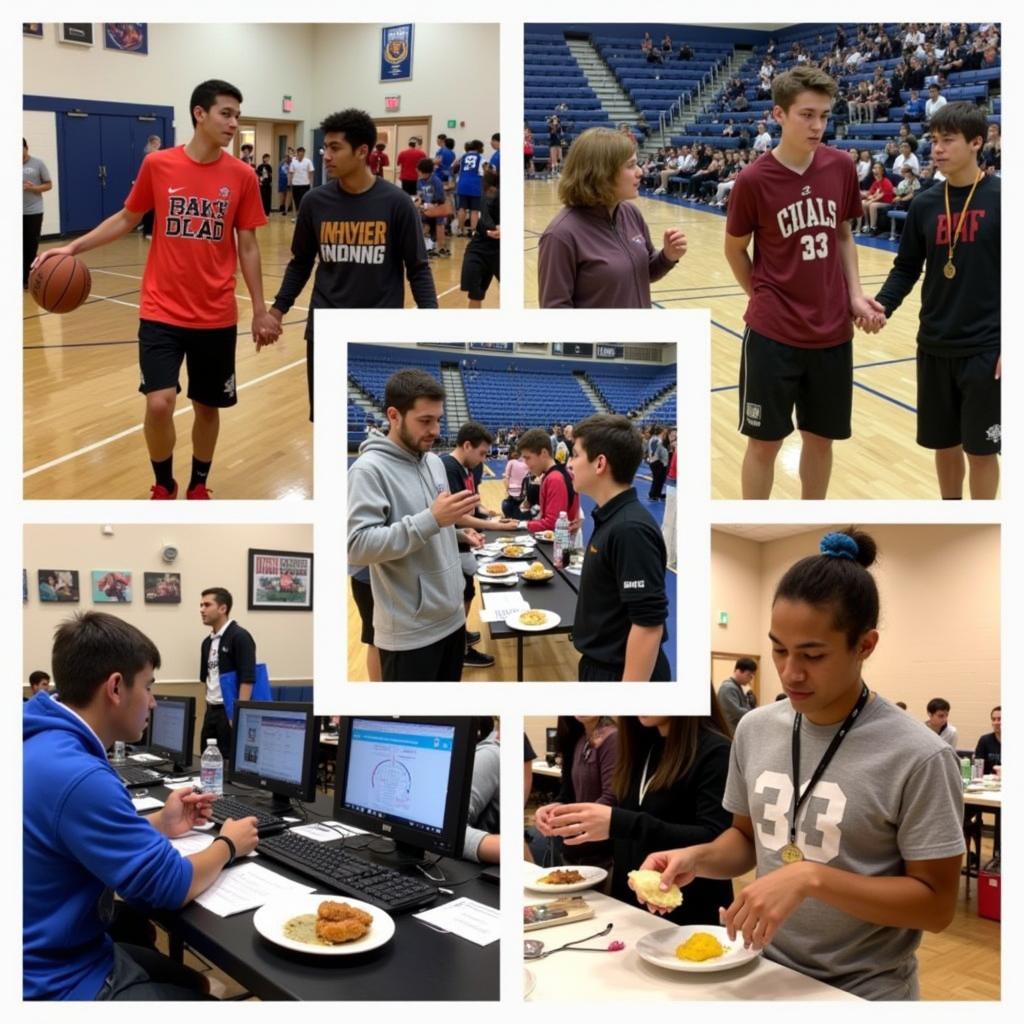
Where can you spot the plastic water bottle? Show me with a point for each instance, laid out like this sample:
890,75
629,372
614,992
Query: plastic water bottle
965,770
212,770
561,539
118,757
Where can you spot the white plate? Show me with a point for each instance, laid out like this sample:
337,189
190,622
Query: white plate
659,948
527,548
591,876
552,621
481,575
271,918
546,535
529,983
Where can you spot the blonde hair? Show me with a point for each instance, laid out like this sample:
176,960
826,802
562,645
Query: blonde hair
787,86
592,167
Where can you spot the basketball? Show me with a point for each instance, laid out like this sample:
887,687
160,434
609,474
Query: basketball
60,284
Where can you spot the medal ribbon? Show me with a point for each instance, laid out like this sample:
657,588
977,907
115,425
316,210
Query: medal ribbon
955,237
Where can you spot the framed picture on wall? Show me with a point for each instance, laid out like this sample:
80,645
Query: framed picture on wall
111,586
58,585
161,587
77,32
127,36
280,580
32,28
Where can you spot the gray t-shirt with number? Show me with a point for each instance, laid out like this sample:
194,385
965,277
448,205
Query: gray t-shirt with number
891,794
34,171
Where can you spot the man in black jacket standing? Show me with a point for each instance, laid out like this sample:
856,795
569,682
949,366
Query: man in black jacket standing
228,648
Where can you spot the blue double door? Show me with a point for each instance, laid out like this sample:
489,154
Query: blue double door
99,158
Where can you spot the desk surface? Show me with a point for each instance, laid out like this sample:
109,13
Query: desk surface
624,976
984,798
541,767
418,963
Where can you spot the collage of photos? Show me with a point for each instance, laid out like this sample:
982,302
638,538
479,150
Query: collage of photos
738,480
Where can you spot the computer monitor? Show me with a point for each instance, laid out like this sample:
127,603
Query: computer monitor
171,734
406,778
551,740
275,750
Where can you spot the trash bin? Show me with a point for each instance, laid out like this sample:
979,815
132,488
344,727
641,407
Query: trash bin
989,884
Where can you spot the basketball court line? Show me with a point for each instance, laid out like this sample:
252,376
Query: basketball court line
138,427
135,277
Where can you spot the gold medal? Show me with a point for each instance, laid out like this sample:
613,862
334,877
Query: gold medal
791,854
949,270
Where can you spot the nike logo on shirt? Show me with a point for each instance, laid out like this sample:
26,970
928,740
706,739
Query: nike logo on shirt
171,191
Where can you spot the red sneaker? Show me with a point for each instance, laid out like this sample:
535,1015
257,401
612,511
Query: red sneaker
160,493
198,493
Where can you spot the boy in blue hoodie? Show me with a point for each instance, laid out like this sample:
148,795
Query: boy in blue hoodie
85,842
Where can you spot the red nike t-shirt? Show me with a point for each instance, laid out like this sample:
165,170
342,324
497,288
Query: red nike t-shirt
800,292
190,279
407,161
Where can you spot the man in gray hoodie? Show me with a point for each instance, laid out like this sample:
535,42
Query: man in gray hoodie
401,524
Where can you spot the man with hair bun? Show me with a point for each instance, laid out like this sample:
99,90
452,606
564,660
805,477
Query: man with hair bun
850,812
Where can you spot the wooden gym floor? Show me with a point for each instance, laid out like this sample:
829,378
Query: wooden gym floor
83,413
881,460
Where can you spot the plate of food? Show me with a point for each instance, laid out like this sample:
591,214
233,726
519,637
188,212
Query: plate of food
496,569
324,925
570,878
534,620
695,948
537,572
548,535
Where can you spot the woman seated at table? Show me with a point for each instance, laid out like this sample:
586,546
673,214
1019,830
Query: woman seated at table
588,747
847,808
597,251
669,779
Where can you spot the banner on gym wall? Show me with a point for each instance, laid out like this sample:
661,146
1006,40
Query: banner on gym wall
396,53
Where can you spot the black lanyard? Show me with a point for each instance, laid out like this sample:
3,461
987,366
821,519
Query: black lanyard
798,797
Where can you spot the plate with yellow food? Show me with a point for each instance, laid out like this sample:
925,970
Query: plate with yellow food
494,570
568,878
324,925
537,572
696,948
548,535
535,620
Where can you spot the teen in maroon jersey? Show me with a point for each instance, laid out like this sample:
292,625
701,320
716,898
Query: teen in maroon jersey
796,201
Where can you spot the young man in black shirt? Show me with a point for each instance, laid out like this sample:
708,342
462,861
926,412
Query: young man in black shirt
363,230
622,606
953,229
472,445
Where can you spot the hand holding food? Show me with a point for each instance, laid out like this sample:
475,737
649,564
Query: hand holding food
647,886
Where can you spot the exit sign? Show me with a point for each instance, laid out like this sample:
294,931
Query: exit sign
286,105
452,124
392,103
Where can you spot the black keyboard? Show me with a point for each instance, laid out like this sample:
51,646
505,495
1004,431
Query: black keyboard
267,824
131,775
346,873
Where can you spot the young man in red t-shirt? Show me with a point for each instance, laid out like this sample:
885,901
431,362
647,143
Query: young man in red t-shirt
202,198
557,493
796,202
407,161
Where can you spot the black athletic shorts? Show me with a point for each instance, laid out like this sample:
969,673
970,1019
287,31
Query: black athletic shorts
467,202
209,356
479,268
775,378
363,594
958,402
409,187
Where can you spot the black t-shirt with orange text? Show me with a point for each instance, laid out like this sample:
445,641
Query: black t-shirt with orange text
362,245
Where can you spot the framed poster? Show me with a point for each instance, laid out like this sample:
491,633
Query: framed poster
77,32
127,36
60,585
161,587
396,53
111,586
280,580
32,28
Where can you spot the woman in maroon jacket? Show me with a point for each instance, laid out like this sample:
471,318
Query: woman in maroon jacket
597,251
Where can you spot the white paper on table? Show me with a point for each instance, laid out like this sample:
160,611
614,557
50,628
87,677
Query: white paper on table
325,831
196,842
467,919
145,758
146,803
498,607
187,784
246,887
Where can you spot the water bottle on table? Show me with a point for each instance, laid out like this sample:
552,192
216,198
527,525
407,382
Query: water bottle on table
118,757
561,540
212,770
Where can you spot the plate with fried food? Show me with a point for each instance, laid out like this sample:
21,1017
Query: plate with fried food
536,572
494,570
324,925
569,878
548,535
534,620
696,948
